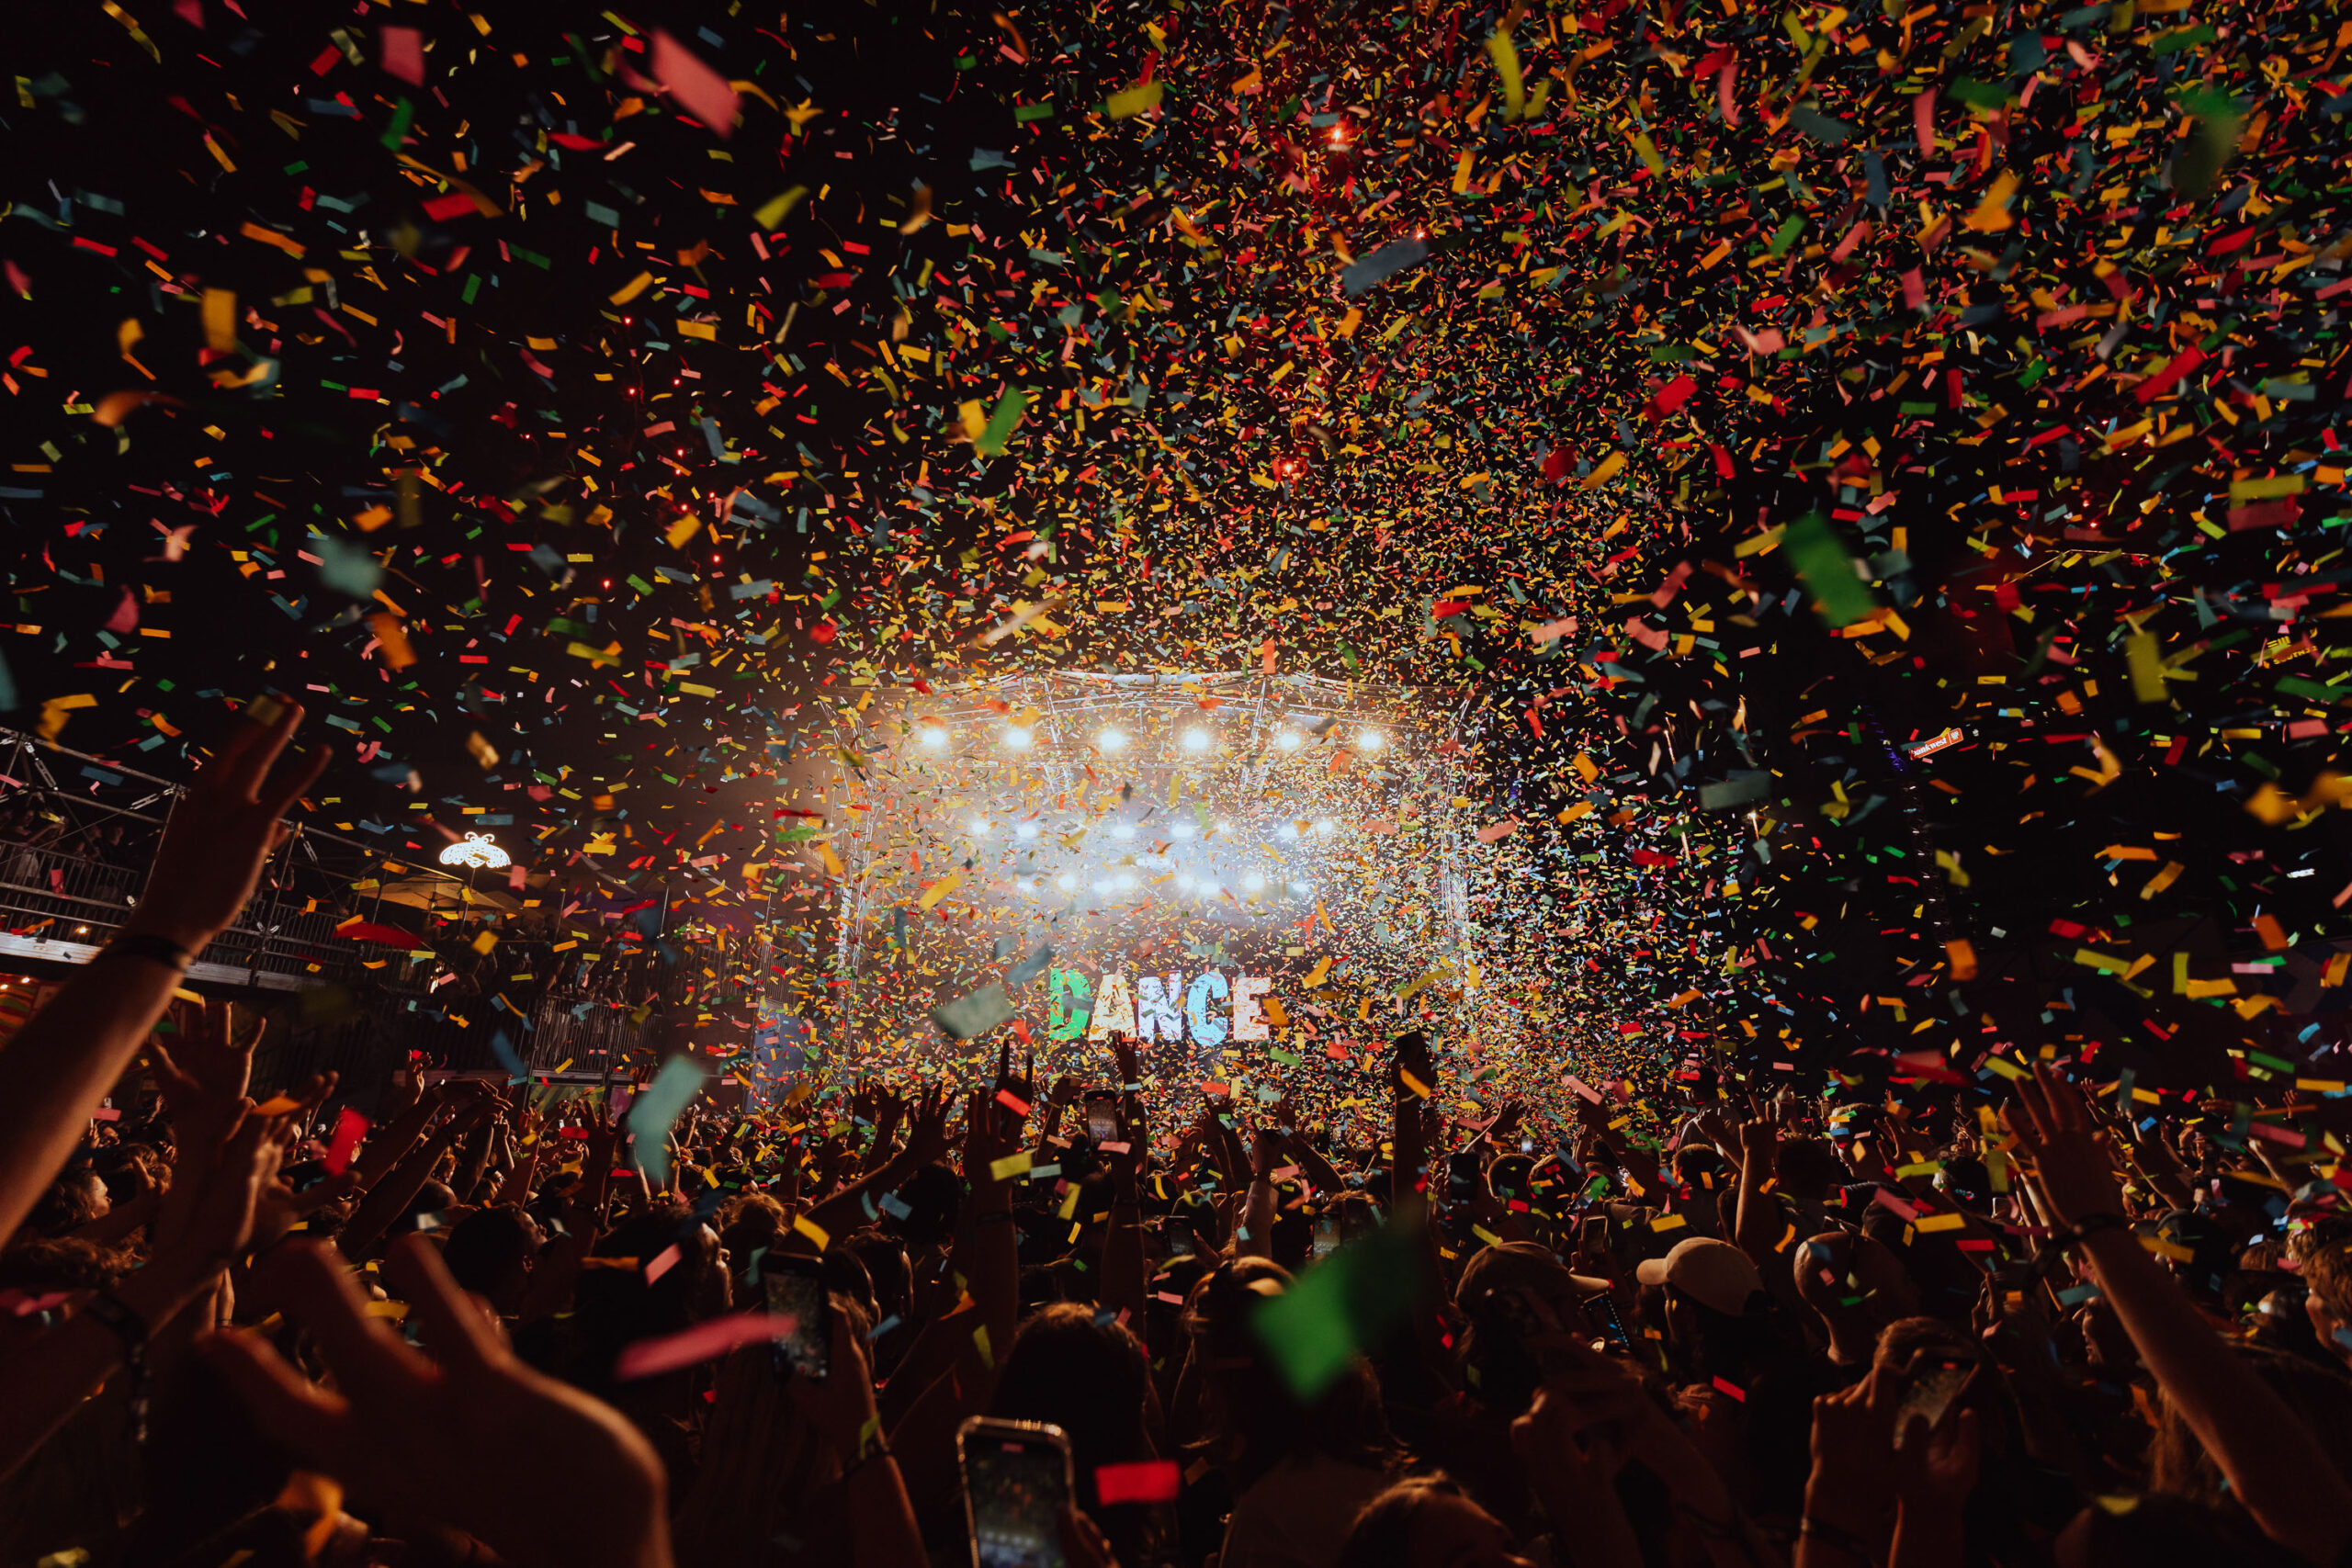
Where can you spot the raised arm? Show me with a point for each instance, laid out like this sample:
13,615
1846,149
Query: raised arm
59,1065
2273,1463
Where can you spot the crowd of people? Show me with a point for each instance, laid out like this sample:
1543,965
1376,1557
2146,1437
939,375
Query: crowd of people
495,1324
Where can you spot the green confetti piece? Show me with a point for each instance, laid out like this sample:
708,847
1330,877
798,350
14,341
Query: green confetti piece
1821,560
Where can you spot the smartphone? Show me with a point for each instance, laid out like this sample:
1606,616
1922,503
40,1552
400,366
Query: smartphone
1102,1115
796,1289
1601,1308
1326,1236
1016,1481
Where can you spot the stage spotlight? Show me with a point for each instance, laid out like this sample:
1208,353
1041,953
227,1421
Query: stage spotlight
979,824
1287,740
1208,889
1102,887
1197,741
1302,888
1124,880
1371,741
1067,883
1113,739
934,738
1124,830
1325,825
1017,738
1224,827
1026,830
1288,832
1183,882
1025,887
1180,830
1252,883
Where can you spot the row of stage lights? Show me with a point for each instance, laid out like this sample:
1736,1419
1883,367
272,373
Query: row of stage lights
1289,832
1127,882
1020,738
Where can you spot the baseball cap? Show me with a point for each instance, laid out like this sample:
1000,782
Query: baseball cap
1716,1274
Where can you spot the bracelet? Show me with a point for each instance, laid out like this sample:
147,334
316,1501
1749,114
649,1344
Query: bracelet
1835,1539
130,1328
879,1450
146,944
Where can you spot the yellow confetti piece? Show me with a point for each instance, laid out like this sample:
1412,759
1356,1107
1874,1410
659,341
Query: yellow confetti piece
1140,99
819,1237
219,320
1506,58
774,210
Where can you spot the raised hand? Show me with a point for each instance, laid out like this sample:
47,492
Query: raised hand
927,1128
2055,1131
204,1074
472,1439
208,1217
221,832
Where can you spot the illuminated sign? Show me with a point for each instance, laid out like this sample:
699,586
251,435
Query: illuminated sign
1154,1009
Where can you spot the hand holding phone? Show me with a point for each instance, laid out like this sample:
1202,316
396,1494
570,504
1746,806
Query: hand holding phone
795,1284
1103,1116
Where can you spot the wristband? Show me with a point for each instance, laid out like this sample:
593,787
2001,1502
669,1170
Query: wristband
877,1450
1835,1539
146,944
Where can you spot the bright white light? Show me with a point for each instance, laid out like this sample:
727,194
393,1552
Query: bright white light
1102,887
1181,829
1124,880
1025,887
1371,741
933,738
474,850
1252,883
1113,739
1025,830
1208,889
1288,832
1124,830
1197,741
1222,827
1067,883
1017,738
1184,882
979,824
1287,740
1302,888
1325,825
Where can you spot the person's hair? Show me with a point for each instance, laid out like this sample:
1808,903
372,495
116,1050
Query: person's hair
1807,1167
69,1202
1089,1375
750,1223
1381,1536
2178,1466
2327,1271
37,1265
487,1248
885,1258
933,1196
1252,1419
